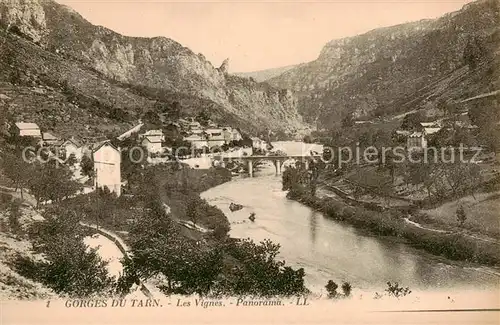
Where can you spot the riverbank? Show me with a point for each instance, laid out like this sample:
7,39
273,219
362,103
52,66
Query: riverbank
454,246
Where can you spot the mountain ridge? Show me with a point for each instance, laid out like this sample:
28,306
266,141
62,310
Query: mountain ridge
157,62
388,70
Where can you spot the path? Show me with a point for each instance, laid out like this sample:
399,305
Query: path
122,247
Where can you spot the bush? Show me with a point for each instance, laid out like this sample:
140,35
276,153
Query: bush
346,289
331,288
394,290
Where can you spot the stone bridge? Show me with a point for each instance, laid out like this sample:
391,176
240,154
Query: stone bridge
277,160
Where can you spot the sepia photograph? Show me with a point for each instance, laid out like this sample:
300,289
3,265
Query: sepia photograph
249,162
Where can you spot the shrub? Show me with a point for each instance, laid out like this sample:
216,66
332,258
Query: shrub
394,290
346,289
331,288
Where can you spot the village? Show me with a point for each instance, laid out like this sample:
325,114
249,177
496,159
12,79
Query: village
202,148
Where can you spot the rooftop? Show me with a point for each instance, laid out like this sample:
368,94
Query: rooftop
27,126
416,135
48,136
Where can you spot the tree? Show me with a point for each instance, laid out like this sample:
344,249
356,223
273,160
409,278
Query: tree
69,266
191,212
395,290
71,160
461,216
348,121
176,110
412,121
203,117
87,166
51,181
421,173
346,289
17,170
307,139
152,118
331,288
474,52
14,215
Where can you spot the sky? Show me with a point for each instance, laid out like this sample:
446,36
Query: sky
258,34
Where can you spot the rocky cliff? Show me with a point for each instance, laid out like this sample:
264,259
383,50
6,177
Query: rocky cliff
401,68
158,63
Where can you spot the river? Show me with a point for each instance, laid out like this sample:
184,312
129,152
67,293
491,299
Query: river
328,249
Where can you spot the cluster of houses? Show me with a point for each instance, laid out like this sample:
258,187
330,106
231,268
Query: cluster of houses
209,137
107,157
419,137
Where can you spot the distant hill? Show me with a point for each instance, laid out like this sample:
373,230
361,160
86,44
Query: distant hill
63,66
397,69
263,75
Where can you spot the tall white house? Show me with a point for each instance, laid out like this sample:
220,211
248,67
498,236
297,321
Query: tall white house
107,164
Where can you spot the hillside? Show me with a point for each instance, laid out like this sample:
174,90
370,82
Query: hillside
401,68
263,75
45,44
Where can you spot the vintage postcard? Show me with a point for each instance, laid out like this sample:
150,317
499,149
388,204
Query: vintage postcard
249,162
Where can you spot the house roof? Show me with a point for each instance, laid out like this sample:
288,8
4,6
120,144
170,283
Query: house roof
62,142
151,133
403,132
98,145
416,135
432,130
151,141
197,131
217,130
27,126
48,136
193,137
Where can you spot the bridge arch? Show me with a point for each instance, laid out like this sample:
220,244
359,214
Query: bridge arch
278,161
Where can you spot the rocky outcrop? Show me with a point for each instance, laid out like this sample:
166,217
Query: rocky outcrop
224,67
24,16
158,62
399,68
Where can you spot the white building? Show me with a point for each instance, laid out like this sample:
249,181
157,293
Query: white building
23,129
107,164
236,135
258,143
194,125
153,140
71,146
215,137
197,141
416,140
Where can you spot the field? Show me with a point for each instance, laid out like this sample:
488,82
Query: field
483,213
